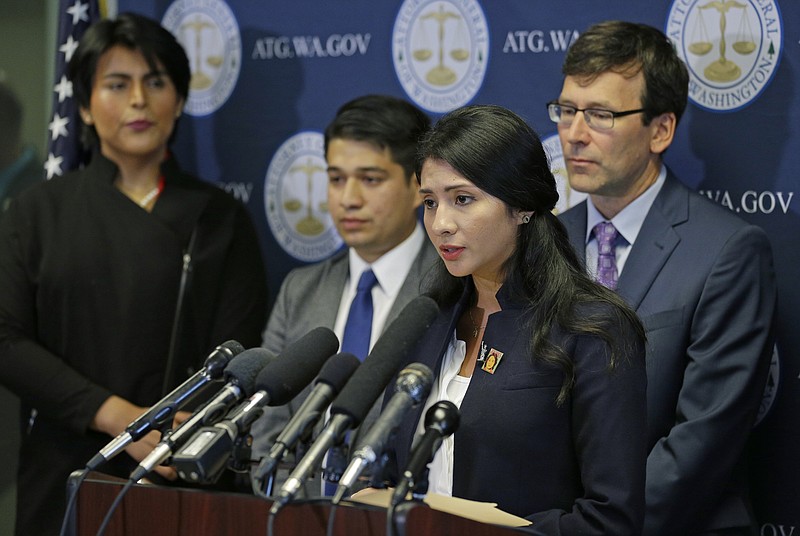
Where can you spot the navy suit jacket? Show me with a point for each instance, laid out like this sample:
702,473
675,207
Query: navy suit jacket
578,468
702,281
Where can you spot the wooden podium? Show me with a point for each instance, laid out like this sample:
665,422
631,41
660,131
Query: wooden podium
168,511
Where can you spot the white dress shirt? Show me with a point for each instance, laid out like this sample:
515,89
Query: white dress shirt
448,386
628,223
390,270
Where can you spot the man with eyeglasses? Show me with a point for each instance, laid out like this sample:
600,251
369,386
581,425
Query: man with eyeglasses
700,278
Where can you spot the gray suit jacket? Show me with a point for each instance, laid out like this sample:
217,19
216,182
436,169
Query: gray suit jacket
702,281
309,297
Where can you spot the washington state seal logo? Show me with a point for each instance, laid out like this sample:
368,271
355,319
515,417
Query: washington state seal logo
296,199
440,50
209,33
732,49
567,197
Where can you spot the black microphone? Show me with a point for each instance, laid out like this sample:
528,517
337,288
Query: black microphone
164,411
334,374
241,375
441,420
204,456
412,387
363,389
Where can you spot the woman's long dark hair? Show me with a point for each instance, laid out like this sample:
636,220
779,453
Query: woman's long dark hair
498,152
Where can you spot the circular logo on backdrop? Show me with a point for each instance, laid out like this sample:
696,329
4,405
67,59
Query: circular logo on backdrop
567,197
209,33
731,49
440,50
296,199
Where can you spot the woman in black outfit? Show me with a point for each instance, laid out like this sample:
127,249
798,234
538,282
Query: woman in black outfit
95,263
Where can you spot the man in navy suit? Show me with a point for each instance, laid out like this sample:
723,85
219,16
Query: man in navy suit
373,198
700,278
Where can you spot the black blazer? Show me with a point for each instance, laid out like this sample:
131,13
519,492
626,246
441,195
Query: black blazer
88,289
574,469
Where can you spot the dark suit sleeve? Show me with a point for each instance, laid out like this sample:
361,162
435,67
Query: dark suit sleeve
609,423
38,376
242,309
727,360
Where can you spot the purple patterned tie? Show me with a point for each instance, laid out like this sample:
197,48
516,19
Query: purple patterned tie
606,235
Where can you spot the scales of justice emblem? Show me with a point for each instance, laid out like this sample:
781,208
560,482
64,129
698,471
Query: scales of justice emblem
309,225
295,199
440,51
722,69
200,80
441,74
210,36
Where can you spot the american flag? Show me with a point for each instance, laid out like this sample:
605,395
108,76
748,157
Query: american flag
64,152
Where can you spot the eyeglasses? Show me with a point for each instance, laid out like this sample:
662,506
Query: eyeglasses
596,118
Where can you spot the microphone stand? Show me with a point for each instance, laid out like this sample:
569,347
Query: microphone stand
396,513
241,456
396,516
264,484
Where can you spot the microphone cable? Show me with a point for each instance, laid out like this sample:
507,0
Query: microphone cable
113,508
73,497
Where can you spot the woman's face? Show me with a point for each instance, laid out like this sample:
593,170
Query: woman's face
473,231
132,108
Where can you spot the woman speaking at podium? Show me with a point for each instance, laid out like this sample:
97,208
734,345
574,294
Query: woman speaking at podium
546,366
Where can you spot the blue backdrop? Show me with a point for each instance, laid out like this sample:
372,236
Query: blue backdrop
269,75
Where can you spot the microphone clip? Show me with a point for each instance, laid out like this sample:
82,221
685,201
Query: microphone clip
241,456
336,463
377,473
420,487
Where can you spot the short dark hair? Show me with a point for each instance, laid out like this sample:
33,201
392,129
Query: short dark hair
627,48
134,32
384,121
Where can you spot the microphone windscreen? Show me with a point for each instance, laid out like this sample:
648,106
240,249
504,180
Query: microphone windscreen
297,365
444,416
244,368
233,347
219,358
387,356
337,370
416,381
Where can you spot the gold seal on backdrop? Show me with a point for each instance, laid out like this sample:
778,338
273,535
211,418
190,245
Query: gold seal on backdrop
731,47
296,199
440,50
209,33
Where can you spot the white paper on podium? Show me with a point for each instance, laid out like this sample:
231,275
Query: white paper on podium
477,511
